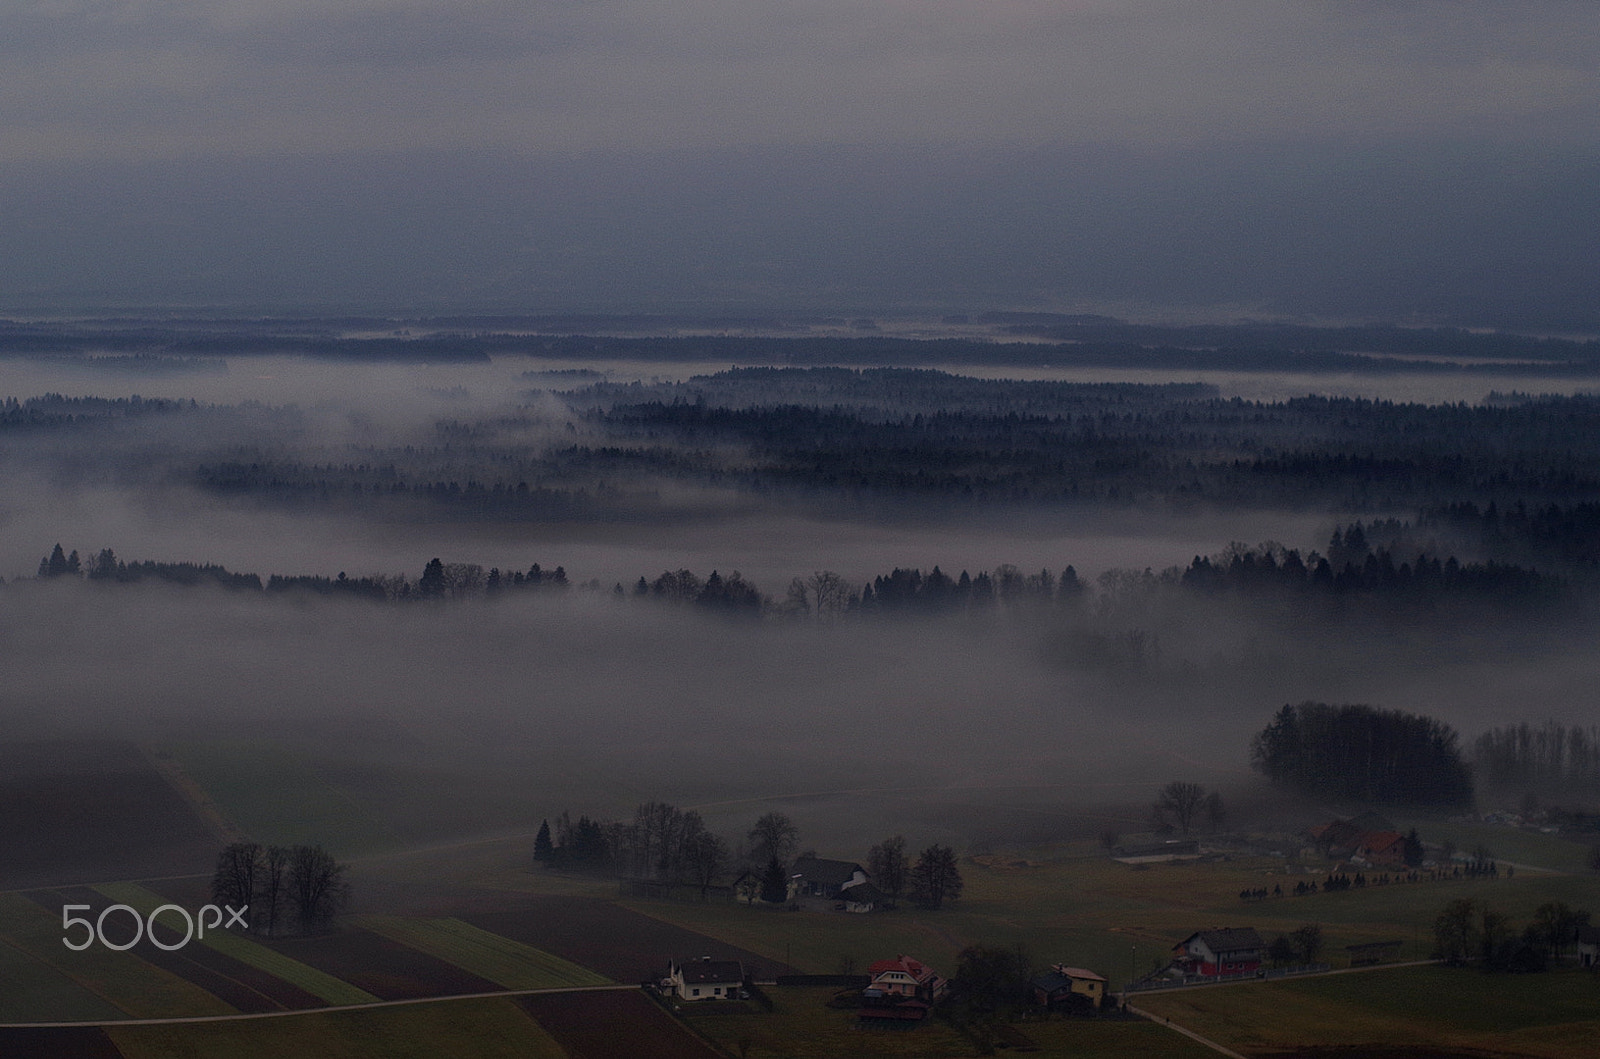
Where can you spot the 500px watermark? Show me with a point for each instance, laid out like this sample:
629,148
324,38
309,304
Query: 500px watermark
193,926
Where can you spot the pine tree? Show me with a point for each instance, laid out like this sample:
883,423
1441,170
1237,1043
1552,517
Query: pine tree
543,849
431,586
56,564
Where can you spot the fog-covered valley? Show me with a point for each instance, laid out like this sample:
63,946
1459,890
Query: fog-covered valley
1020,713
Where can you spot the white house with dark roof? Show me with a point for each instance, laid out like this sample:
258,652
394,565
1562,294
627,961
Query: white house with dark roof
1225,950
705,979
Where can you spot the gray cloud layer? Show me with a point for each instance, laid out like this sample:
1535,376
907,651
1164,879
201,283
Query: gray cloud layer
143,78
1426,160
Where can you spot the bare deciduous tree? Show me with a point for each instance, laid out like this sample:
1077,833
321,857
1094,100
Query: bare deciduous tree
829,594
888,865
238,873
707,855
935,878
274,886
1180,802
317,885
773,838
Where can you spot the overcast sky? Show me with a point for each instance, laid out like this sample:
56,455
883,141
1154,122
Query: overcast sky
168,103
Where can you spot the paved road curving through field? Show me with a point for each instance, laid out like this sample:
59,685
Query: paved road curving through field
243,1016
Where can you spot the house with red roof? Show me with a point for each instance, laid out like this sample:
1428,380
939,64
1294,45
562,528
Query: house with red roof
1382,849
906,977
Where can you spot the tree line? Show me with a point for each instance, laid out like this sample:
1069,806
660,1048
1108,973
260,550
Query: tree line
1547,759
848,435
1265,572
662,843
665,844
1473,931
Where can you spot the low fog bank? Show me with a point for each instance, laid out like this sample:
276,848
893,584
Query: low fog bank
402,395
997,729
768,543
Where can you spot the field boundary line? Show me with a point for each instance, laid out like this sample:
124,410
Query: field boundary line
1161,1020
1183,987
245,1016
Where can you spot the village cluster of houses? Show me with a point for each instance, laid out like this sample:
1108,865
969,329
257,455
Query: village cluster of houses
900,989
1367,840
843,882
904,990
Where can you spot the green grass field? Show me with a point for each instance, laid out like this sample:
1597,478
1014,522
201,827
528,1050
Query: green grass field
1554,1015
802,1026
1062,904
120,980
480,1028
32,990
1510,844
1089,911
278,795
501,960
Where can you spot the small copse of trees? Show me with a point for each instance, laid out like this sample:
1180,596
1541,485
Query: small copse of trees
1363,753
300,885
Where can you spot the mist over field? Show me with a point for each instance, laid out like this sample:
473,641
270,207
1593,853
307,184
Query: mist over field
1015,724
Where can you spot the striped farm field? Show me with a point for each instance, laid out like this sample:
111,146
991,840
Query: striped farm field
325,988
507,963
1451,1010
387,969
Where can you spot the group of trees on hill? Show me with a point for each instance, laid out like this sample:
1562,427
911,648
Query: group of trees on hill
1468,930
302,885
1548,759
663,843
1365,754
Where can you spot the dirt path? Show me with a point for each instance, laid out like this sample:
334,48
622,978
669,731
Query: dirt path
191,792
1161,1020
